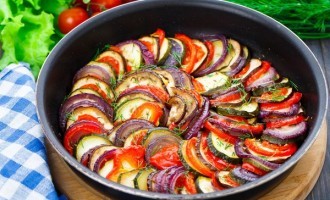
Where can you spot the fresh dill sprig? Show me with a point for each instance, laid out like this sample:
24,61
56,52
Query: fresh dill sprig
309,19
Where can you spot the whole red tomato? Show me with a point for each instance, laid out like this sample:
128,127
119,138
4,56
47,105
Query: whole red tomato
70,18
102,5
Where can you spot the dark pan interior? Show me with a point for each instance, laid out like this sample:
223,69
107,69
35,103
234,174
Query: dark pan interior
265,38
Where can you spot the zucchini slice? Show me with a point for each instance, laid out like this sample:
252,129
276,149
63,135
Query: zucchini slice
222,148
132,55
260,90
84,91
204,184
126,109
89,142
248,109
213,81
164,51
127,178
141,179
276,95
225,179
176,54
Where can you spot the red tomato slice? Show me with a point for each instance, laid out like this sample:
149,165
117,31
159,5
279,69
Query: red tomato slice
127,159
112,62
187,181
228,138
265,148
78,130
97,89
166,157
150,111
189,58
197,85
243,71
295,98
285,121
253,169
194,160
209,57
265,66
160,34
138,138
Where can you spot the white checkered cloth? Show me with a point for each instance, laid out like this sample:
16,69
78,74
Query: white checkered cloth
24,173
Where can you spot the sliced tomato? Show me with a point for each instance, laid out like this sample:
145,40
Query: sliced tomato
86,117
150,111
226,137
293,99
160,33
228,98
197,85
161,94
243,71
209,57
285,121
194,160
265,66
166,157
97,89
78,130
215,183
112,62
215,161
253,169
138,138
127,159
189,58
265,148
187,181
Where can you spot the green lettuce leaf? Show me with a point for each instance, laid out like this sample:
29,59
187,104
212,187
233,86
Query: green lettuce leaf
28,30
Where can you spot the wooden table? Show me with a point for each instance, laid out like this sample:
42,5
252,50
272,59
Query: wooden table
321,190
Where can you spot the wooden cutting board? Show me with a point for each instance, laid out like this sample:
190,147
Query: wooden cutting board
297,185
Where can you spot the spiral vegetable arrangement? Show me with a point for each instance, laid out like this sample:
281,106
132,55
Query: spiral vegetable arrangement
181,115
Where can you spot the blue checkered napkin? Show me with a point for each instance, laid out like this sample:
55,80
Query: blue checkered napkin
24,173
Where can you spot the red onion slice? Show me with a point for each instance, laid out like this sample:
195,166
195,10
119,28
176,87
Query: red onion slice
290,111
287,132
83,100
129,127
197,122
267,79
244,174
240,151
94,71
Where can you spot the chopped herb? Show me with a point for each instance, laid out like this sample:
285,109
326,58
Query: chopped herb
244,136
293,85
177,57
100,50
112,83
